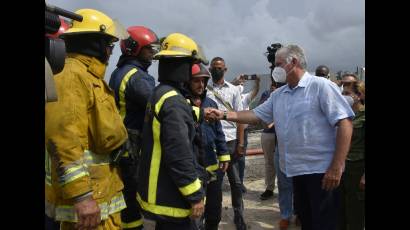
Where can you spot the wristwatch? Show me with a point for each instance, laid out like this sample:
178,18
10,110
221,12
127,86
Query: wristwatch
225,114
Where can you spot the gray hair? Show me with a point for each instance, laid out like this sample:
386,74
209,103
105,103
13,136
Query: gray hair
293,51
349,74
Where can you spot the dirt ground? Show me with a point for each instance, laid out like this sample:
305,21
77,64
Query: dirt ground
258,214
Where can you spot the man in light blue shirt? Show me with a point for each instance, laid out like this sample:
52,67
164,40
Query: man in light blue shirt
313,126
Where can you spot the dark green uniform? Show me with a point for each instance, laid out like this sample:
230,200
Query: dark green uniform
352,205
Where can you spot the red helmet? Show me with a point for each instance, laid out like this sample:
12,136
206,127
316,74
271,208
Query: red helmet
200,71
63,28
140,36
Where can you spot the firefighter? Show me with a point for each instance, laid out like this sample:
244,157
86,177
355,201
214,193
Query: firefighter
169,184
133,86
216,155
83,129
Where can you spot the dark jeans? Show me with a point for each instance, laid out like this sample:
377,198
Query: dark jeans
241,160
352,211
236,185
316,208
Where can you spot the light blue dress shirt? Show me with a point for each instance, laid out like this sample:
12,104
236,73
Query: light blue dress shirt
305,120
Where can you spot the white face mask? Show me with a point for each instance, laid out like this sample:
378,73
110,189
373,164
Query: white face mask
349,100
279,75
240,88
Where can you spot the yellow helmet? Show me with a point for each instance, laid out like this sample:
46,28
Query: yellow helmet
180,45
95,21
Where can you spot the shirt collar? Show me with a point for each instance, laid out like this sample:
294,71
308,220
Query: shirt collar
303,82
218,86
94,66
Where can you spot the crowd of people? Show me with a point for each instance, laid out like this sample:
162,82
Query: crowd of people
128,150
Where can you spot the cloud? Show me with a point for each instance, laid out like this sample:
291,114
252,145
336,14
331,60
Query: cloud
331,32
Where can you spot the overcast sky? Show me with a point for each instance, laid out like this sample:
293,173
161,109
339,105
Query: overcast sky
332,32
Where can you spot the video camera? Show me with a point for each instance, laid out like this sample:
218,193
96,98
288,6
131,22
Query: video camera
270,54
250,77
54,47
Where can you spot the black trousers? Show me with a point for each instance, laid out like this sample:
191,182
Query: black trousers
185,225
236,185
213,205
317,208
50,224
128,169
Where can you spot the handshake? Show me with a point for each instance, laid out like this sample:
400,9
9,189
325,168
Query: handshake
212,114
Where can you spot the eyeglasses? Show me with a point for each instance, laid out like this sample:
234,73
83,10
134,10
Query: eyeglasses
110,47
347,83
155,48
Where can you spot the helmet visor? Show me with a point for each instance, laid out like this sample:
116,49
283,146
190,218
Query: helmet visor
117,30
200,55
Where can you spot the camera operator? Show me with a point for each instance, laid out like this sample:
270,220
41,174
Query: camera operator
54,46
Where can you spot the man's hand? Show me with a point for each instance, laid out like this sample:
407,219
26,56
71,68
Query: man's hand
257,79
240,79
197,209
223,166
239,150
212,114
331,179
361,185
88,213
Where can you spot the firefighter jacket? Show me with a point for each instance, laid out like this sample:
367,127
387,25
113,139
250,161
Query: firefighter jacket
168,177
213,137
82,129
133,86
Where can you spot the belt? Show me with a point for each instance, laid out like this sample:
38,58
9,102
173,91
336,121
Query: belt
134,132
354,161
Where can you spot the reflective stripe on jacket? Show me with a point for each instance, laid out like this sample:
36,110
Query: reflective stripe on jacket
214,140
168,180
82,128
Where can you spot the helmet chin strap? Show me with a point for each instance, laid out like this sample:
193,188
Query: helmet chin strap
103,43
